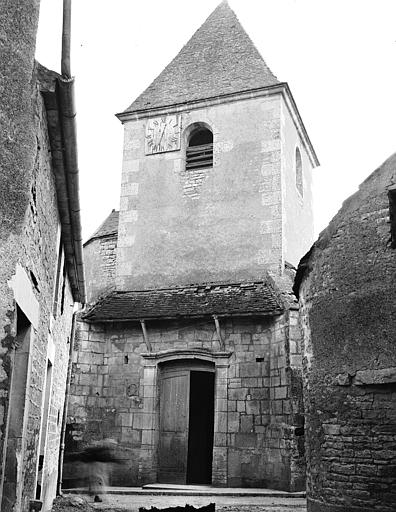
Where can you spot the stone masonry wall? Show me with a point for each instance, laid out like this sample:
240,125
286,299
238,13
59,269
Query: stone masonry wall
30,244
348,317
220,224
257,411
18,143
298,234
100,265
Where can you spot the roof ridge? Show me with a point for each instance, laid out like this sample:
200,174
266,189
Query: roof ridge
220,58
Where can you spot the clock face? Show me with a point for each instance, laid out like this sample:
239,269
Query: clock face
163,134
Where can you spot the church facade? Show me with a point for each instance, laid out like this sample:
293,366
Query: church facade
189,355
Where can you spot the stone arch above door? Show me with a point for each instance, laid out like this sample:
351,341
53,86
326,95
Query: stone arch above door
152,363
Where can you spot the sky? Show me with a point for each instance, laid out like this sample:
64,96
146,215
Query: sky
338,57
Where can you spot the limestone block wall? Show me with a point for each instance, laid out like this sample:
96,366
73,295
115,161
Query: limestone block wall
298,226
100,265
218,224
28,262
114,395
349,324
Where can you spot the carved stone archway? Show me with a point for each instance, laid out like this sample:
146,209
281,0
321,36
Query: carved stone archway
150,433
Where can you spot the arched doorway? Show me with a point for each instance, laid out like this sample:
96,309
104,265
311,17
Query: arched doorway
186,394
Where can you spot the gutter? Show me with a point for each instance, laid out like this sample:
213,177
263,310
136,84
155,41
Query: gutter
58,94
65,93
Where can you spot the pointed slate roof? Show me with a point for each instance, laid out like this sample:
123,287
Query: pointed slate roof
108,227
219,59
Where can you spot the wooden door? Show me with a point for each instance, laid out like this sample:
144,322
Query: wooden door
174,416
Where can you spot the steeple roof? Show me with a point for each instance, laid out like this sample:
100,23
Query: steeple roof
219,59
107,228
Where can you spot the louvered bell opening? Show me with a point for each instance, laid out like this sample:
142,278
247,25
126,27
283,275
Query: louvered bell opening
198,157
199,153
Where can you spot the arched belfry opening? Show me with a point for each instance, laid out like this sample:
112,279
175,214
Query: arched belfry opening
186,392
199,151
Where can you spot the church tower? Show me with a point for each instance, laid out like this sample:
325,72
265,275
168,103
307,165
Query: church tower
197,367
216,181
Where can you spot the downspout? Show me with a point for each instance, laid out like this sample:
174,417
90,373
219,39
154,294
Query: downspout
66,33
69,136
65,407
69,139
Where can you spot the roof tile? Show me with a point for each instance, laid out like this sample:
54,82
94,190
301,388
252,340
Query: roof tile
257,298
108,227
219,59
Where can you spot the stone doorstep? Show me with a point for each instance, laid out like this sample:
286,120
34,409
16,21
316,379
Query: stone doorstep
192,490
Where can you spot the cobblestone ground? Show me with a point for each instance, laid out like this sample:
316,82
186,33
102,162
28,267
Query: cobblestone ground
128,503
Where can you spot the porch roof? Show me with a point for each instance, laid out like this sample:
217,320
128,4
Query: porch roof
259,298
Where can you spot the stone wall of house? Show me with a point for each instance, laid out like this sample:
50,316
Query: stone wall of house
100,264
258,407
18,147
348,317
28,262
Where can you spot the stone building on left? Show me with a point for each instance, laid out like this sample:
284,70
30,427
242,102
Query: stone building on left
41,271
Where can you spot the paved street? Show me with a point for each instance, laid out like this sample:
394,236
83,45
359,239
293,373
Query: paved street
223,503
245,500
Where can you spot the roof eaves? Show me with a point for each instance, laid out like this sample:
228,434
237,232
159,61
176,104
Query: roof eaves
96,237
275,312
300,124
58,94
95,314
198,103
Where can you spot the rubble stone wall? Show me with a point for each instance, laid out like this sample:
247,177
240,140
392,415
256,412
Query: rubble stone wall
28,262
100,265
257,412
348,298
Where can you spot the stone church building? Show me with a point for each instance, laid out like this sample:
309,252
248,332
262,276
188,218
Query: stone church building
189,354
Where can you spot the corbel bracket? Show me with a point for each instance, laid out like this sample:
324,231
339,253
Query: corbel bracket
218,330
145,335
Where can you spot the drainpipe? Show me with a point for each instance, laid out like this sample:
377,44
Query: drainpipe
66,31
65,407
70,196
69,136
66,97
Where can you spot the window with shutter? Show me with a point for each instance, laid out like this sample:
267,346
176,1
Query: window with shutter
199,152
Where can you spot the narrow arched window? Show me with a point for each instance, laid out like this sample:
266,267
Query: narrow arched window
199,152
299,173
